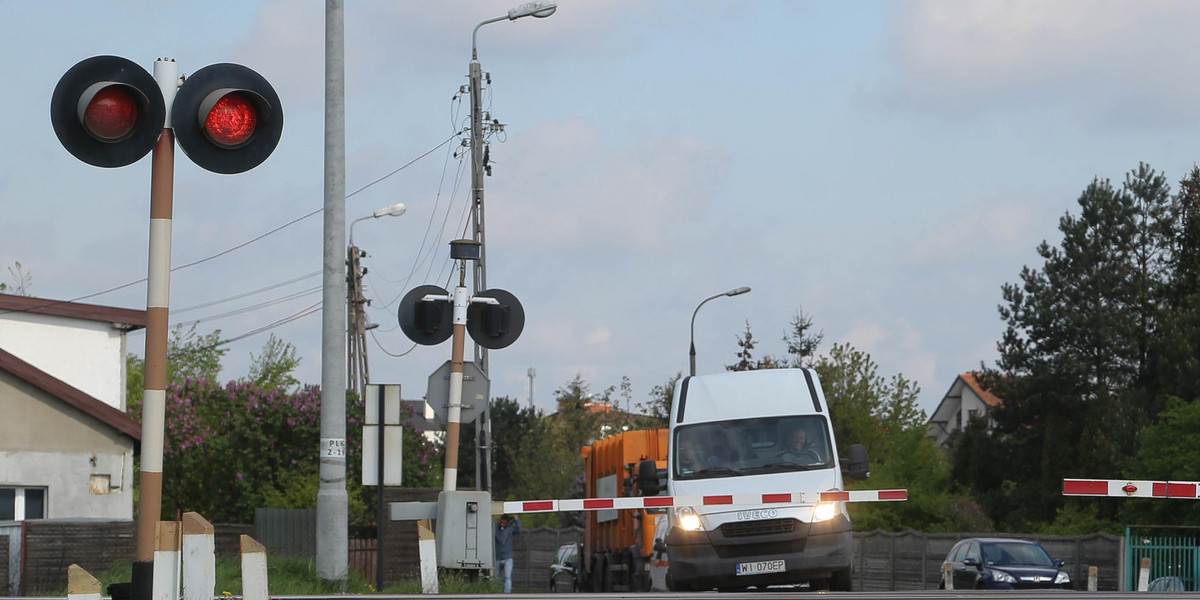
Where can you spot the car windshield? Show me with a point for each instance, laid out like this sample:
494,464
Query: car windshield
752,447
1004,554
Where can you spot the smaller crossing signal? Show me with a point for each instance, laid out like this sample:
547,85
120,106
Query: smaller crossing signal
227,118
495,326
428,323
107,111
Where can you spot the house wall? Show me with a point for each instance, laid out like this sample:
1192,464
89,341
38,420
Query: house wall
45,442
87,355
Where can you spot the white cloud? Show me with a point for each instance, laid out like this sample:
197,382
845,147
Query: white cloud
599,335
991,226
577,196
1100,56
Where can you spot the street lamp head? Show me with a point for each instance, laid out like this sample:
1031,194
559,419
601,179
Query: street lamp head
737,291
394,210
539,9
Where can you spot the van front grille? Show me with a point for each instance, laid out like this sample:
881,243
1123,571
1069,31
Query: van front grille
765,527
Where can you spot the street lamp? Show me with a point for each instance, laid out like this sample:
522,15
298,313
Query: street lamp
538,9
394,210
357,326
692,352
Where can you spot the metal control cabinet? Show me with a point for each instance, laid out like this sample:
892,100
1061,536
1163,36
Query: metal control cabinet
464,530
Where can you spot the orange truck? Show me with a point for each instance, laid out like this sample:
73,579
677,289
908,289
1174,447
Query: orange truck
618,548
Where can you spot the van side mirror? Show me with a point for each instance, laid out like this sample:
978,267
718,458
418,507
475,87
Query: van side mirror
857,465
648,478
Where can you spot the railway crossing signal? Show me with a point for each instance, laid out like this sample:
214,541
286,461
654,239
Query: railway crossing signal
109,112
1125,488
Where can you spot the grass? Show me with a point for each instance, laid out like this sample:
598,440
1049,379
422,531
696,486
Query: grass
287,576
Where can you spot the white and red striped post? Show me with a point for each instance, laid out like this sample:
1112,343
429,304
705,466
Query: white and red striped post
81,585
254,569
158,293
166,561
199,558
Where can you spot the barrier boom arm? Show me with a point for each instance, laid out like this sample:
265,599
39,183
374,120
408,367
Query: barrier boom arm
640,502
1131,488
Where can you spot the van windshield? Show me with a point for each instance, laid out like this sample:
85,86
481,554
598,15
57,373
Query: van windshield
751,447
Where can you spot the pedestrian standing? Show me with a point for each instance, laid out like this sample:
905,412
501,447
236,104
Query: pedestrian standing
503,534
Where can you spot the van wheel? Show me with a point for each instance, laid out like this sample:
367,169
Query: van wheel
841,580
676,586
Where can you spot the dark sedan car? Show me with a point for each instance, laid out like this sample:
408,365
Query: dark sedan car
564,573
1003,564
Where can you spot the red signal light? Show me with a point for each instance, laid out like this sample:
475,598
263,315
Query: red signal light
111,114
1129,488
231,121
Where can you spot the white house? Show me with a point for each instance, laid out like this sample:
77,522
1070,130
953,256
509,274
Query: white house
66,444
965,400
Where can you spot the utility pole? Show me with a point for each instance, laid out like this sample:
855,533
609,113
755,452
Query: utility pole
333,527
531,372
356,331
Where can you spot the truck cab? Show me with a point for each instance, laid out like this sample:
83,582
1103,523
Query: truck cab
751,432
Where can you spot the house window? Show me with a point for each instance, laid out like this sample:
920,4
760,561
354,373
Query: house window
22,504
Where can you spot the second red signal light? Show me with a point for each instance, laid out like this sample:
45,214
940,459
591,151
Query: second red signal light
227,118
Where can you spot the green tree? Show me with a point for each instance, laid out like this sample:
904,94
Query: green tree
1075,367
22,281
273,367
658,408
1170,450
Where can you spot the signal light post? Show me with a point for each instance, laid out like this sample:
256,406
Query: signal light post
109,112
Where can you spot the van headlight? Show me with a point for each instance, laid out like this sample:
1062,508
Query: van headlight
688,519
824,511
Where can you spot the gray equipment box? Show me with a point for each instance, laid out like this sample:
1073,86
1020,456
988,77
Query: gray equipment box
464,530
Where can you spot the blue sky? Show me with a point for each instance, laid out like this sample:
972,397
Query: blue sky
885,166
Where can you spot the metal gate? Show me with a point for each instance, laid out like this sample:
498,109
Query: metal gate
1174,554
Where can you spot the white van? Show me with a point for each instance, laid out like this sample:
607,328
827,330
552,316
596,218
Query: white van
731,434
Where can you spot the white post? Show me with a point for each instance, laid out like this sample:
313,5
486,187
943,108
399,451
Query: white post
166,561
1093,576
81,585
948,575
254,570
1144,575
428,551
199,558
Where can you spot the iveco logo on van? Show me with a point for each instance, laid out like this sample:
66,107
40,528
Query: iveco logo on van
754,515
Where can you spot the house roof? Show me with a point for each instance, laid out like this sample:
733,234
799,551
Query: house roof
122,318
55,387
972,380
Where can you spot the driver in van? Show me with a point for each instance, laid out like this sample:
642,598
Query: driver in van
797,447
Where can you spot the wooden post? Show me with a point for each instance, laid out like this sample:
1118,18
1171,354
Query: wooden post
427,547
81,585
199,558
1144,575
166,561
1093,575
254,570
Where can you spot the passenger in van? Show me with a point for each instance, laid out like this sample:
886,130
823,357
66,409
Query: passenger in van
694,456
798,448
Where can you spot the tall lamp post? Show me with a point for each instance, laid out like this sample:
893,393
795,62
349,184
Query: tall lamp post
539,9
692,351
356,331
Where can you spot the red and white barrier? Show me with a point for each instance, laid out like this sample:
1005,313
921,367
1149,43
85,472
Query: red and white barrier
1125,488
640,502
